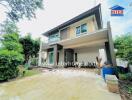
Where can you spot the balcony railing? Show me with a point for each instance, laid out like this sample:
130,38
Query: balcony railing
55,39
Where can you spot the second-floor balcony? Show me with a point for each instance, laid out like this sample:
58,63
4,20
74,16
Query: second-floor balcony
54,38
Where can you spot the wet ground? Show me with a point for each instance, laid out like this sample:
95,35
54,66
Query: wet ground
58,85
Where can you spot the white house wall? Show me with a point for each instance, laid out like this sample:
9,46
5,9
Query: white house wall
87,54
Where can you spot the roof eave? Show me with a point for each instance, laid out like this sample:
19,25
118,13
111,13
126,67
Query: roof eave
96,10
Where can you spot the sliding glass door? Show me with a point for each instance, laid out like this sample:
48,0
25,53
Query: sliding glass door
51,57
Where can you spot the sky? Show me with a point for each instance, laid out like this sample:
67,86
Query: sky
56,12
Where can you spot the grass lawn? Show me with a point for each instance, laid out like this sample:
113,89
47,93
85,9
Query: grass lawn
31,72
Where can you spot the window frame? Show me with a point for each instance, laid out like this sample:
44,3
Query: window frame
85,27
80,27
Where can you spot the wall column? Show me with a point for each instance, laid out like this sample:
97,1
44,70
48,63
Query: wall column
55,55
111,45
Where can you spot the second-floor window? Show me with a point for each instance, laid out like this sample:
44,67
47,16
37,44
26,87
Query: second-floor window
54,37
78,30
81,29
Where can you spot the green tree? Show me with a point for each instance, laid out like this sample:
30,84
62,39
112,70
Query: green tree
11,42
10,56
30,47
17,9
8,27
123,44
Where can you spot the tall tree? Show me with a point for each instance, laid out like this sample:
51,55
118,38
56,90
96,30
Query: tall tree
17,9
123,44
8,27
11,42
30,47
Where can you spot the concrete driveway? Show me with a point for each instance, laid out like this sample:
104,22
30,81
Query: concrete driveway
58,85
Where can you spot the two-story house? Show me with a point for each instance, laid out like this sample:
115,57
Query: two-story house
80,39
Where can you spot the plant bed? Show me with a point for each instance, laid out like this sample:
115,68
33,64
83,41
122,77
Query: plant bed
125,89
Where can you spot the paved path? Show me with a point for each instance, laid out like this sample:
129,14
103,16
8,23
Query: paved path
58,85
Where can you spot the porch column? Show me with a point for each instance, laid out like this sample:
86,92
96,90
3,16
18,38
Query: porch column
55,55
110,46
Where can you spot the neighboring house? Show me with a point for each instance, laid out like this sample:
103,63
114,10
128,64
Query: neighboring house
80,39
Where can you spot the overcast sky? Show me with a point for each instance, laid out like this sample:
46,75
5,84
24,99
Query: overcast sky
56,12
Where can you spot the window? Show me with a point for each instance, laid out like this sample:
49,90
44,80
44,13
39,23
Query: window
64,33
83,28
78,30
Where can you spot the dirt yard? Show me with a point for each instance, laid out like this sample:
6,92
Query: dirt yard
58,85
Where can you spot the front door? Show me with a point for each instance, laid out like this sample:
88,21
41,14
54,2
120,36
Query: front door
69,57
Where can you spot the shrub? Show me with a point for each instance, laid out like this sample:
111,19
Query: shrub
127,76
34,61
9,60
10,56
22,70
122,77
123,44
120,71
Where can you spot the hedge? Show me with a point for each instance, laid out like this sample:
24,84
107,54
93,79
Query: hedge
9,60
